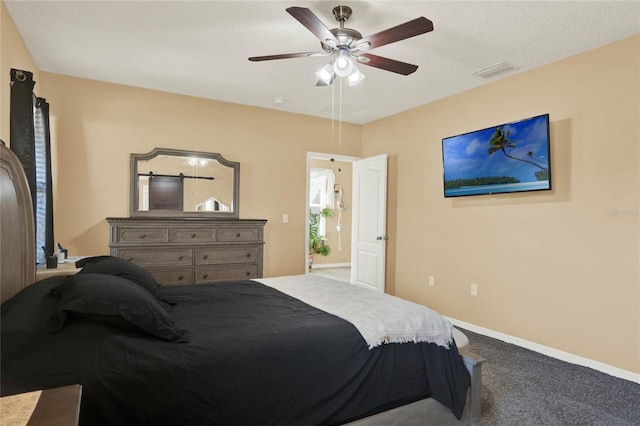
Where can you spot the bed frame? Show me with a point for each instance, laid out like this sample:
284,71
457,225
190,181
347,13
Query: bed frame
17,270
17,234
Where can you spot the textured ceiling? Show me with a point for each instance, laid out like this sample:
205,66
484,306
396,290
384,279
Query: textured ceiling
201,48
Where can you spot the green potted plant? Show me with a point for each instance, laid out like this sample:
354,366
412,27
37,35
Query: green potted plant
318,243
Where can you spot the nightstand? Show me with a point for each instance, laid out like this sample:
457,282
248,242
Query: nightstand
50,407
67,268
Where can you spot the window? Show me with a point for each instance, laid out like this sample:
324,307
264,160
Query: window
42,182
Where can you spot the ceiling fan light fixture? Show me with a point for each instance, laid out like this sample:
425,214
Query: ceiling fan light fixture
355,77
325,75
343,64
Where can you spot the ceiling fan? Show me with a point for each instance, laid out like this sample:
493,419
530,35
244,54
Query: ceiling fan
347,45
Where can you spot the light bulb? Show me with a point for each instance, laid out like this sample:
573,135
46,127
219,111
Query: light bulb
343,65
325,74
355,77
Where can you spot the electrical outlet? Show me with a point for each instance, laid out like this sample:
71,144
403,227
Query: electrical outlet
432,282
474,289
285,218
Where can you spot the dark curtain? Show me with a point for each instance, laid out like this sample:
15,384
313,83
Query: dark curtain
30,141
22,133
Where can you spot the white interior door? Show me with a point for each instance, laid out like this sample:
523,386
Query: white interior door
368,237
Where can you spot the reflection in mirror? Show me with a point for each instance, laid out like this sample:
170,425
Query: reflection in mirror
168,182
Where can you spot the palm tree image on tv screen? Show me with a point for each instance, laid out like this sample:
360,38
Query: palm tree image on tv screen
511,157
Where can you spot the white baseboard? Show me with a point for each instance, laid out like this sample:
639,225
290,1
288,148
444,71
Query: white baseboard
549,351
330,265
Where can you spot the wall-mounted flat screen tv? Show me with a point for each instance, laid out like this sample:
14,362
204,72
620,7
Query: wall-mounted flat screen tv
512,157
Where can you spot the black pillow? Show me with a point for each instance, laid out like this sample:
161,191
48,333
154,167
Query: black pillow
113,300
119,267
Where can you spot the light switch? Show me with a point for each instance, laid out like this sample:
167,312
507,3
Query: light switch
285,218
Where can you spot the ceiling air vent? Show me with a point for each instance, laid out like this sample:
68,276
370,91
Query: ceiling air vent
494,70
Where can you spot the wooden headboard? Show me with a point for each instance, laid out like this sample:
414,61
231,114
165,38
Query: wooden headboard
17,234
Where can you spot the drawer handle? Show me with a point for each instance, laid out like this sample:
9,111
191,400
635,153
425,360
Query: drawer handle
248,273
193,235
130,259
238,235
180,278
142,235
206,256
181,257
248,254
205,276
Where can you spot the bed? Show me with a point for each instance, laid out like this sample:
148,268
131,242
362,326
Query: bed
236,353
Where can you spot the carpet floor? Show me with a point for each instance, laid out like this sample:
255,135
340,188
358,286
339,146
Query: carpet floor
523,387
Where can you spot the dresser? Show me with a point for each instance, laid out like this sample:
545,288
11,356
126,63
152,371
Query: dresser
190,250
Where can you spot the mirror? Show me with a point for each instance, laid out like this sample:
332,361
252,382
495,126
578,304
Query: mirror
177,183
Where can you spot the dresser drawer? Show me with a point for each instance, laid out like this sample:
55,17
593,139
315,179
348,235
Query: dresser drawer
158,257
173,276
137,235
199,235
206,274
238,234
226,254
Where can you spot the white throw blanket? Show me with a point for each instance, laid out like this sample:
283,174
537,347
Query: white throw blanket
379,317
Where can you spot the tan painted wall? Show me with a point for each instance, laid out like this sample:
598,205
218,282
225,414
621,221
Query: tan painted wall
558,268
13,54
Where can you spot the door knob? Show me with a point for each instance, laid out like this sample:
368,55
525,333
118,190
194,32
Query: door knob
383,237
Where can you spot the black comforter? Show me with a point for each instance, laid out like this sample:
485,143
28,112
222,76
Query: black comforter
255,356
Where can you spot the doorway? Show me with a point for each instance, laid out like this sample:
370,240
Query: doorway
335,193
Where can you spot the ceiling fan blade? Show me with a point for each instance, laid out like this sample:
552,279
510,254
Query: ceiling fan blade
409,29
287,56
313,24
387,64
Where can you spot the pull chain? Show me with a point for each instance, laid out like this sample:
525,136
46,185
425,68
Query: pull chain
333,108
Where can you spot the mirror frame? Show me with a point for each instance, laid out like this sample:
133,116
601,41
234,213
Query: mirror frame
133,192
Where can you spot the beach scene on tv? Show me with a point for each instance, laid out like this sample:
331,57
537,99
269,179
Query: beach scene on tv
511,157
